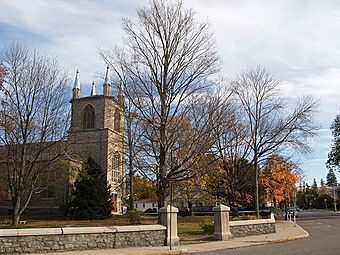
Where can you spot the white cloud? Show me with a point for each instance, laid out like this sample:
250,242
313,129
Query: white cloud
311,161
73,30
325,130
321,83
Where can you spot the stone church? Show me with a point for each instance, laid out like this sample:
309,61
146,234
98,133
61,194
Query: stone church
96,130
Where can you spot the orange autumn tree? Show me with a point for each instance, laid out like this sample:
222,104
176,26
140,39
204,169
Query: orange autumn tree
144,188
188,161
231,183
187,193
278,182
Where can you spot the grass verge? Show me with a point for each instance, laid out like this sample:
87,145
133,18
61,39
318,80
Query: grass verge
189,229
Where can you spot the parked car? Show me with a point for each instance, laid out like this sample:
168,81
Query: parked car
291,211
151,210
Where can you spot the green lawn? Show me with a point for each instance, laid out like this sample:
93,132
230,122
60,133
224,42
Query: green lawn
189,229
49,222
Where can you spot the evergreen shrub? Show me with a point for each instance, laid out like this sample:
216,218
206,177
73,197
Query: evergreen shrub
91,197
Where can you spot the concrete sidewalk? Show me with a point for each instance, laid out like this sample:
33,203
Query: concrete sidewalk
285,231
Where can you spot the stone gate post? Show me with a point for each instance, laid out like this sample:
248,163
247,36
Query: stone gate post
221,222
169,219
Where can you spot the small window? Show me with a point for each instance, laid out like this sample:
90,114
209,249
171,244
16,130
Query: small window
143,205
117,166
153,204
136,205
115,170
113,167
88,117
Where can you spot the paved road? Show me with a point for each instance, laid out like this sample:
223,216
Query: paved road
324,230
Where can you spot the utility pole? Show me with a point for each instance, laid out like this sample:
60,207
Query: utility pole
294,201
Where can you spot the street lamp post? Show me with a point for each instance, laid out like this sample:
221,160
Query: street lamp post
170,184
170,214
334,198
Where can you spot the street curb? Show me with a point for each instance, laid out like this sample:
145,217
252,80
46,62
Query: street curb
174,252
306,234
289,238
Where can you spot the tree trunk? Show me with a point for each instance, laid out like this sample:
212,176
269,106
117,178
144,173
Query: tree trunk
15,220
16,212
162,181
131,200
190,208
161,194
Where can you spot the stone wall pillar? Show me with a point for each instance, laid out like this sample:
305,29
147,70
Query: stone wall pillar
169,219
221,222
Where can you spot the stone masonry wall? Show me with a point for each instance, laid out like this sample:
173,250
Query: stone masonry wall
252,227
14,241
140,239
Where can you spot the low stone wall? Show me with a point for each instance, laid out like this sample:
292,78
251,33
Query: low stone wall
252,227
14,241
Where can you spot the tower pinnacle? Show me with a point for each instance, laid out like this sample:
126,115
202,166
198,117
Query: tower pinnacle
107,76
107,87
93,90
121,93
76,81
76,86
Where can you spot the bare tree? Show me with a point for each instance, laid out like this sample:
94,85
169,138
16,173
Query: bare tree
33,113
2,73
189,137
273,124
232,152
168,58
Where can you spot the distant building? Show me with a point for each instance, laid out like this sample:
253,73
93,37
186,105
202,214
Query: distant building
97,130
146,204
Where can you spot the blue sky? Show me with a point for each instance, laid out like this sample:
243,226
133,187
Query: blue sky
297,41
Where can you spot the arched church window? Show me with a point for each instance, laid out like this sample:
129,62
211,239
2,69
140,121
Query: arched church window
88,117
115,167
117,120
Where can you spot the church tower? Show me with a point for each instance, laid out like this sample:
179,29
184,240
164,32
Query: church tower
97,130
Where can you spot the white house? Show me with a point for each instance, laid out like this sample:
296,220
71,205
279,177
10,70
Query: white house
145,204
